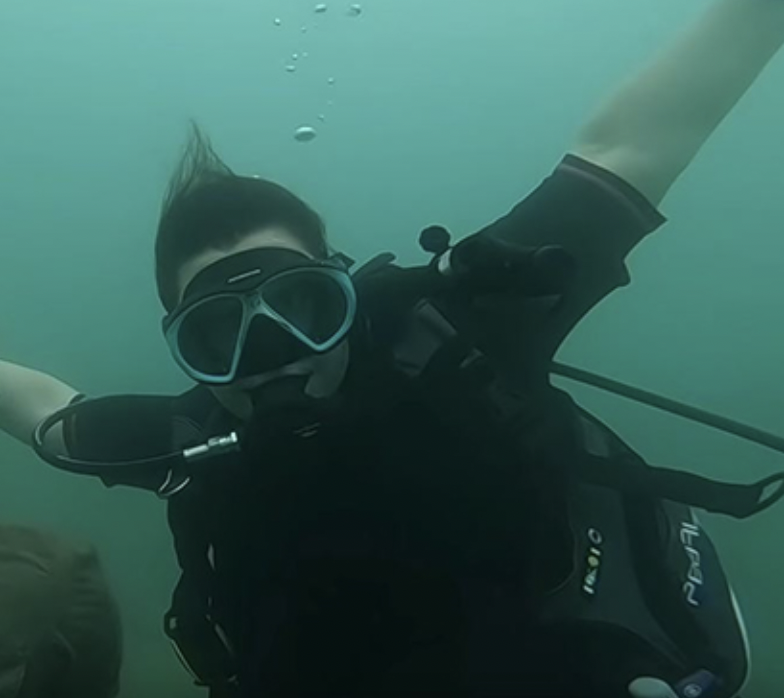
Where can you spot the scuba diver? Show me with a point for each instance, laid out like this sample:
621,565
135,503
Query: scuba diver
60,629
373,486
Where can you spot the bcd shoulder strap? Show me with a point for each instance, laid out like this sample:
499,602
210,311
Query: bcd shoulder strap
196,634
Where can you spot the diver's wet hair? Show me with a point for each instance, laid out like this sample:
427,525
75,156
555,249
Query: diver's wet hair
207,206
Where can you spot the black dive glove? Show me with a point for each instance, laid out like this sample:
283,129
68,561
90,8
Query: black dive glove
485,264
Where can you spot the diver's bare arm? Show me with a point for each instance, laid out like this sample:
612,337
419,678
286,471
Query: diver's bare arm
653,127
26,398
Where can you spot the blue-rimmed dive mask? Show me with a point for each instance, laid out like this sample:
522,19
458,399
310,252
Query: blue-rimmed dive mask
257,311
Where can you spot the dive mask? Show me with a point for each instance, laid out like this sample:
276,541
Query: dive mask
256,311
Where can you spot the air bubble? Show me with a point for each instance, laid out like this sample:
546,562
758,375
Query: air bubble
304,134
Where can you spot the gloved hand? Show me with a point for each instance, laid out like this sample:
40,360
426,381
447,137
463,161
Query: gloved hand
489,265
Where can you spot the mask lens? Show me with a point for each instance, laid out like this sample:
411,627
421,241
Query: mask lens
313,302
208,335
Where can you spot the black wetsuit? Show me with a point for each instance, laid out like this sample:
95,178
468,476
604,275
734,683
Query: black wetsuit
442,610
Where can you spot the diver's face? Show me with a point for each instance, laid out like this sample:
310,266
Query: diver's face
326,371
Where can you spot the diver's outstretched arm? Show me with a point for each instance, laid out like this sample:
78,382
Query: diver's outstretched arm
653,127
26,398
